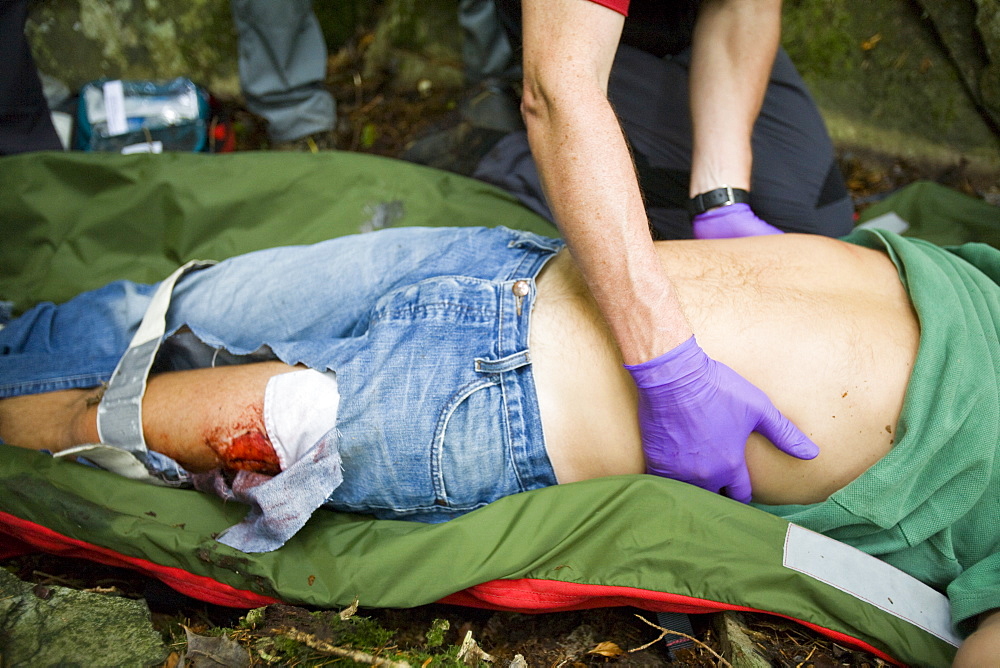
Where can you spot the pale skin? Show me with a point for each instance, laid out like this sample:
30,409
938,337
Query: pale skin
982,647
588,176
733,50
186,415
584,162
802,317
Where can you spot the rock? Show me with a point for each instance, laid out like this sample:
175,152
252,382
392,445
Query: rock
879,74
77,41
214,651
42,625
970,31
988,23
884,83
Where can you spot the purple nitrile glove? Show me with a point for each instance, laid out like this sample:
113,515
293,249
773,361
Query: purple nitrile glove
696,414
726,222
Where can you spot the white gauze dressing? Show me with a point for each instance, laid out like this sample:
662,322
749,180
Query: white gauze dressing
300,407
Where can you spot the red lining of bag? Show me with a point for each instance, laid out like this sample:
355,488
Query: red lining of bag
534,596
525,595
203,588
620,6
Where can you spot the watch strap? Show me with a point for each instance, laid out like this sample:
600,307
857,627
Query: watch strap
722,196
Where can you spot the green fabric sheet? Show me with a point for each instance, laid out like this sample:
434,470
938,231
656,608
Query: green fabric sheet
638,533
941,215
72,222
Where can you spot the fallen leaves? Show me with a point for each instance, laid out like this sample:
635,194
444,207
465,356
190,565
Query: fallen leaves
871,42
471,653
349,611
211,651
608,649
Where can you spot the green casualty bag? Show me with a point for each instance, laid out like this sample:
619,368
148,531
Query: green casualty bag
936,213
73,222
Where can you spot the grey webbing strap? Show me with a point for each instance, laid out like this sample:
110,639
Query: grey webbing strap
119,415
676,621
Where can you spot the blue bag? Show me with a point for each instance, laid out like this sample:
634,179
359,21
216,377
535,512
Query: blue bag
142,116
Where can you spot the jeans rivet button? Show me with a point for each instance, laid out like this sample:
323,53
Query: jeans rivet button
520,288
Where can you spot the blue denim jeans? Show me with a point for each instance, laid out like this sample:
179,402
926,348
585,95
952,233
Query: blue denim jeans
426,329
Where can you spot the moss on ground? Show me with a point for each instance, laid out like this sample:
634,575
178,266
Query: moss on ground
284,635
883,82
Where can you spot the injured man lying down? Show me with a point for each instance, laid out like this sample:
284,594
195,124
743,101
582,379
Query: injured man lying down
421,373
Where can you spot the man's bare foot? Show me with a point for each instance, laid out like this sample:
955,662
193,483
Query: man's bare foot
52,420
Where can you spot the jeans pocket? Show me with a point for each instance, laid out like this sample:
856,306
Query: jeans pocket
472,463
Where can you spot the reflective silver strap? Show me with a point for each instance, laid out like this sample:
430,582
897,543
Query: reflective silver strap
119,415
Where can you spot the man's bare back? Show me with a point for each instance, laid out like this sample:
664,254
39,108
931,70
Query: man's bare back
824,328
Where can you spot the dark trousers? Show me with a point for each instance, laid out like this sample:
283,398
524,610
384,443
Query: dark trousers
25,120
796,184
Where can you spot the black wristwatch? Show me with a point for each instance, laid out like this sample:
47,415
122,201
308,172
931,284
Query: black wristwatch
723,196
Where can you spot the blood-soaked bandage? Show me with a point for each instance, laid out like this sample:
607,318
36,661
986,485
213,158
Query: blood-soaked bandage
299,409
245,446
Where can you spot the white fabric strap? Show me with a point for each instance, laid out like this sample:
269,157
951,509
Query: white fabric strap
869,579
119,415
115,460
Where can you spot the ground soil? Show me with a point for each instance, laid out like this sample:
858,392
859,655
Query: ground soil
375,119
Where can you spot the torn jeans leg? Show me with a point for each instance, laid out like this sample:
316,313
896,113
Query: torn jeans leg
280,505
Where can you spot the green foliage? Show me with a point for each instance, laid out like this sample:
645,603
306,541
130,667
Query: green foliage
269,646
816,34
369,134
284,650
252,618
339,20
448,658
357,631
435,636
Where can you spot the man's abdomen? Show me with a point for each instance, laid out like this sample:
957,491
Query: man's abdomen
823,327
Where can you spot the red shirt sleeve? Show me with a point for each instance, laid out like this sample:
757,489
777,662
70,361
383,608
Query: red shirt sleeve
620,6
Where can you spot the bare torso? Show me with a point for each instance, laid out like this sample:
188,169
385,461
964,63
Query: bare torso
825,328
